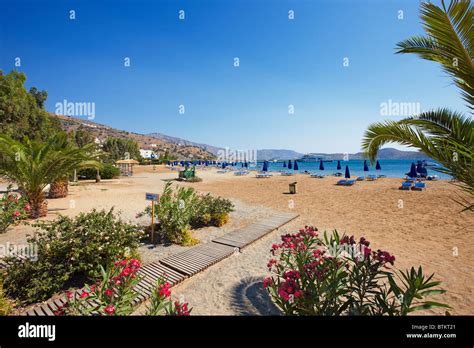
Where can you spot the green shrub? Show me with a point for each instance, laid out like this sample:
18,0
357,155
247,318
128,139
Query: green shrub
179,211
70,249
6,305
107,172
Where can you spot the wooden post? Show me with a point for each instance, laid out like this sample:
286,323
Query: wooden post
152,221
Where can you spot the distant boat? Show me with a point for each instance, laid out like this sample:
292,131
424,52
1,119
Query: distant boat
312,158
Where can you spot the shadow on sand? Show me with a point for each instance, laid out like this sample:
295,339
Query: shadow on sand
249,297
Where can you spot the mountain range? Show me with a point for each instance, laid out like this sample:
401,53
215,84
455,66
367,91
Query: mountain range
185,149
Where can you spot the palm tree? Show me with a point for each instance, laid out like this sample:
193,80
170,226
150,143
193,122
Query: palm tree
33,165
444,135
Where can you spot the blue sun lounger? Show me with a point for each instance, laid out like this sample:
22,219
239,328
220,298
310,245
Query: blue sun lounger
419,186
406,185
345,182
360,178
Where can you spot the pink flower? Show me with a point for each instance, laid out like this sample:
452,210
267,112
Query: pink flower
181,309
109,310
27,207
283,294
16,214
109,292
267,282
84,294
164,290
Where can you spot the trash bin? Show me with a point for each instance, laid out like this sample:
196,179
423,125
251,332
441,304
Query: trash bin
293,187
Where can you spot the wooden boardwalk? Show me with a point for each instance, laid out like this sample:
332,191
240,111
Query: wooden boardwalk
178,267
242,237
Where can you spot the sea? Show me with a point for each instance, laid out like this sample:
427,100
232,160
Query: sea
390,168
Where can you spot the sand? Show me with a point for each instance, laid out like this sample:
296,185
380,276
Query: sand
419,228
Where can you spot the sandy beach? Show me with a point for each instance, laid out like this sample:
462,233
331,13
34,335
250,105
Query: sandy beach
419,228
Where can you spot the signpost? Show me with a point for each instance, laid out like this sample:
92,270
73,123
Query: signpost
153,197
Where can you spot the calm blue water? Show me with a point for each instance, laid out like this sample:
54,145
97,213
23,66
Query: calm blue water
391,168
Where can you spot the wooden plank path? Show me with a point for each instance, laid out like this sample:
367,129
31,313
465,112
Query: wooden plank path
178,267
197,259
243,237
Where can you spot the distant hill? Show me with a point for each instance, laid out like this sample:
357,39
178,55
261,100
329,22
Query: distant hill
175,140
271,154
159,146
386,154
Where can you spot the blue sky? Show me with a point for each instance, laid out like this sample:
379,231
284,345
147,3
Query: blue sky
190,62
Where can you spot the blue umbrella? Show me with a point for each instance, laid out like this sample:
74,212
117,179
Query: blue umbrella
419,167
246,164
321,165
295,167
412,173
366,167
348,173
223,165
289,164
284,164
265,166
338,165
378,166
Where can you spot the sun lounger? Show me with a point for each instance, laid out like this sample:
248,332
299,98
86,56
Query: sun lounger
381,176
286,174
371,177
360,178
406,185
419,186
241,173
346,182
319,176
337,174
263,175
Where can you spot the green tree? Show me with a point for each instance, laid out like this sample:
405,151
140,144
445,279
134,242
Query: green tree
117,149
32,165
20,114
40,96
444,135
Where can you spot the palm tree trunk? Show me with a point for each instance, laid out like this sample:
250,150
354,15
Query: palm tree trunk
59,188
38,204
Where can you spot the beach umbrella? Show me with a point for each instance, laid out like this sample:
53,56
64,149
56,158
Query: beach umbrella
378,166
348,173
223,165
284,164
295,167
321,165
265,166
412,173
366,167
419,167
289,164
338,165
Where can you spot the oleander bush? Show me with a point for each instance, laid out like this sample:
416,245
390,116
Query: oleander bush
337,275
181,210
114,294
13,208
70,250
108,171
